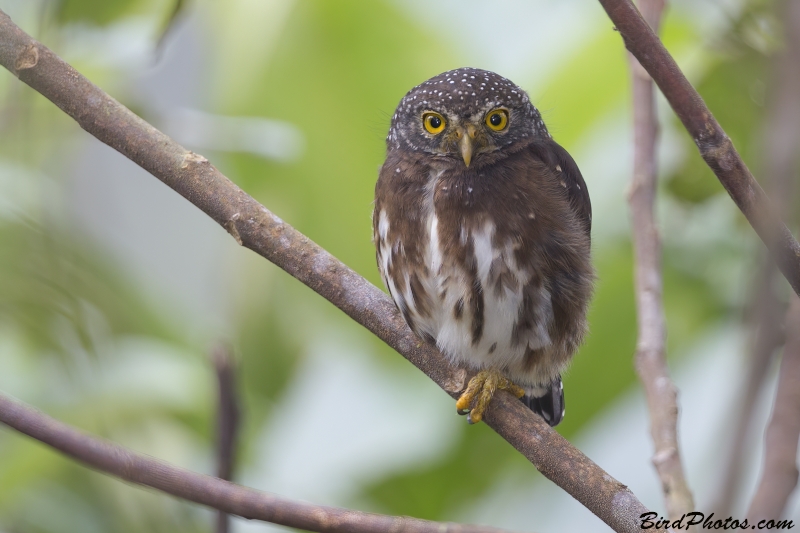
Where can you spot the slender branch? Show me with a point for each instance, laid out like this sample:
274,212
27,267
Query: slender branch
651,361
254,226
780,474
766,326
206,490
227,421
714,145
780,163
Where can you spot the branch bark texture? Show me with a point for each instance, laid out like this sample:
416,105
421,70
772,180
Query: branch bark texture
206,490
255,227
651,361
714,145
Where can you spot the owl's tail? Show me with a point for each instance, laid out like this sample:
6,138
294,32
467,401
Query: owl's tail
550,406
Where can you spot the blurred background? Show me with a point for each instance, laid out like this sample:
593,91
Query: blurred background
114,290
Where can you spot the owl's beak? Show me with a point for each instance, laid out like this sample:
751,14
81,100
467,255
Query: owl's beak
466,142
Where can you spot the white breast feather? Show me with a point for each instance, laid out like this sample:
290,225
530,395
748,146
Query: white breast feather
501,310
385,253
447,283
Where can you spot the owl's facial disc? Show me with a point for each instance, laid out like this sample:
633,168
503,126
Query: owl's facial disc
464,114
465,135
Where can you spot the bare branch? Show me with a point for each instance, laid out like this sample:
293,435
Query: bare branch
227,420
714,145
766,325
651,360
780,163
780,474
206,490
255,227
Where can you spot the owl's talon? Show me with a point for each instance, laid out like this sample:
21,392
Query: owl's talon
480,390
462,412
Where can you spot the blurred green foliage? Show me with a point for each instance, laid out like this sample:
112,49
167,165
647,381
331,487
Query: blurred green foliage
100,13
82,340
337,74
94,12
734,87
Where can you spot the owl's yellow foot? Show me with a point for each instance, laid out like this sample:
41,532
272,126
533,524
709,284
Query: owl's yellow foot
479,393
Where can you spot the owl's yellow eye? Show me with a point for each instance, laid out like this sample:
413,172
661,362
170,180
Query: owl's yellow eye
433,122
497,119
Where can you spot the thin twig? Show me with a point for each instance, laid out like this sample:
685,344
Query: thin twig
767,313
254,226
766,326
206,490
780,474
714,145
651,361
227,421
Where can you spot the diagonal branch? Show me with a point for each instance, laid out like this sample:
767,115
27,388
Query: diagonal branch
651,360
206,490
255,227
714,145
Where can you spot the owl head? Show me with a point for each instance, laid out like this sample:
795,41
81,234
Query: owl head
464,113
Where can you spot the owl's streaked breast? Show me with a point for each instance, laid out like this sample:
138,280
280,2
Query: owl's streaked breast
468,294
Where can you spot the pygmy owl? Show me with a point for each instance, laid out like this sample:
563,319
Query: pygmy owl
482,228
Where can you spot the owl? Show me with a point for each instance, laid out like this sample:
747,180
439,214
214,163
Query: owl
482,228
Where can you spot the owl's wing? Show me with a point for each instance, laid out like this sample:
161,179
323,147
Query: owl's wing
558,159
